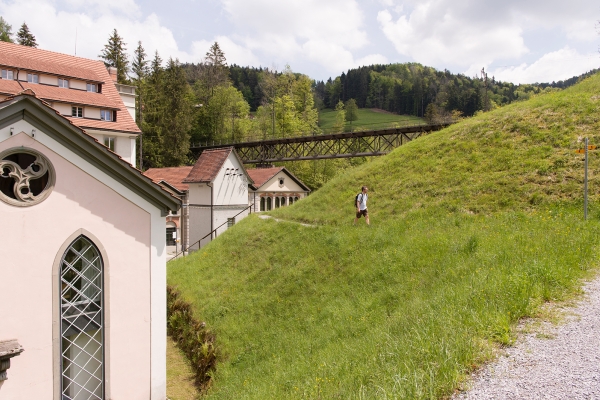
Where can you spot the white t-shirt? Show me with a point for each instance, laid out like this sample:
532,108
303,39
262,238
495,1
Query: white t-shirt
362,201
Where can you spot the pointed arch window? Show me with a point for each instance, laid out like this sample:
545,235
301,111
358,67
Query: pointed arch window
82,322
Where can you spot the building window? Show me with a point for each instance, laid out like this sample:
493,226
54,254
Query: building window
77,112
171,236
7,74
109,142
82,322
64,83
26,177
91,87
281,180
33,78
106,115
269,203
230,222
262,204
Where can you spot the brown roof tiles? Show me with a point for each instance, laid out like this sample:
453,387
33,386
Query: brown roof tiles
44,61
208,165
79,97
262,175
174,176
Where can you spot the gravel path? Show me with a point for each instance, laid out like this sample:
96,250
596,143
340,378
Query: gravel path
554,362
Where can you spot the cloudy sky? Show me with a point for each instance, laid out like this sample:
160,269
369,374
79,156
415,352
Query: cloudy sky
521,41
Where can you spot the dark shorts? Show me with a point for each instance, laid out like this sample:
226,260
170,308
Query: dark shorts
361,213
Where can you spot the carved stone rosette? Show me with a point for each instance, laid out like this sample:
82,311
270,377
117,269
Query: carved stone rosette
26,177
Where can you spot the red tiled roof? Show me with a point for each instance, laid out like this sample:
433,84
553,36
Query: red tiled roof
49,62
174,176
208,165
72,96
9,87
262,175
44,61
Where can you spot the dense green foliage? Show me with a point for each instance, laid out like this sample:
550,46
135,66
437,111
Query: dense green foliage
192,337
473,227
5,31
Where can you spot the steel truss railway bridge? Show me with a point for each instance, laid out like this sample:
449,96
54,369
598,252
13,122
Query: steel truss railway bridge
318,147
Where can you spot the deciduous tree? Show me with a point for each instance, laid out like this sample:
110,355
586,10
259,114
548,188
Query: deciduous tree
5,31
351,112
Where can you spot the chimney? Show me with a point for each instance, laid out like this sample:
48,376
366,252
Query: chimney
112,71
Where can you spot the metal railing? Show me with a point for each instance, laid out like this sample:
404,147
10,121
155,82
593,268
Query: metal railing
214,231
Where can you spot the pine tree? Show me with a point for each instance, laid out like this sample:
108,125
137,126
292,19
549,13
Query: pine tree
5,31
153,111
177,116
216,71
139,67
25,37
114,55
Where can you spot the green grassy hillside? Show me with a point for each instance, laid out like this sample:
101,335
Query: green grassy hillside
368,119
473,227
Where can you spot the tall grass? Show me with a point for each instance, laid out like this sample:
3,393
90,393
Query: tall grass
401,311
472,229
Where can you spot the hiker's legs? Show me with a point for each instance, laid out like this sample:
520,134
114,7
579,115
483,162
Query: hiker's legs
367,219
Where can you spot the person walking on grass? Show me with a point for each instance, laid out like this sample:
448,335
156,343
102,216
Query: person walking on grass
361,205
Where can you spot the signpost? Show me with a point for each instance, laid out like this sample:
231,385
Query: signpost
585,174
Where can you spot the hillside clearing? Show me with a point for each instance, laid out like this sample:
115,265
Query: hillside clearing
473,228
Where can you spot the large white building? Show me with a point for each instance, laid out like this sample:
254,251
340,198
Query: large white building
83,91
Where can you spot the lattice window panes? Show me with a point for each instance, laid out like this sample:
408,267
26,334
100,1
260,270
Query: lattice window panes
82,321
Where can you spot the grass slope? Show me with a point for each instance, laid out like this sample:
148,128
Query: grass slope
473,228
368,119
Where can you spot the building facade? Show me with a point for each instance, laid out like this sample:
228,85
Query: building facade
273,188
83,91
83,263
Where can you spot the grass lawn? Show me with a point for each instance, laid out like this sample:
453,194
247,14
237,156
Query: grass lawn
473,228
368,119
180,381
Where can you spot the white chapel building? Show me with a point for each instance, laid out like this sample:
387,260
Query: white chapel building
83,255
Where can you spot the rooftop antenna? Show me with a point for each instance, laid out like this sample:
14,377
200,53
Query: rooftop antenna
75,40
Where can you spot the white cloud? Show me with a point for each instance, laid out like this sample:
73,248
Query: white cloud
439,36
558,65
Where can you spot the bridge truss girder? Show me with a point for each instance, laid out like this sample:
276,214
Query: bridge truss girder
318,147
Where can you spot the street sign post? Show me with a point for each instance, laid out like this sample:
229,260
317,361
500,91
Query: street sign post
585,174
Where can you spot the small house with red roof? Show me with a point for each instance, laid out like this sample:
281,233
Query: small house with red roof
214,195
83,91
273,188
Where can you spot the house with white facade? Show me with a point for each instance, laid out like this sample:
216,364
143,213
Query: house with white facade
83,254
82,90
274,187
218,194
